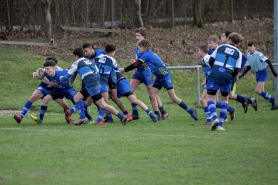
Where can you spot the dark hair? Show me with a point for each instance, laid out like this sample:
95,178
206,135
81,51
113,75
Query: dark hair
227,33
52,58
86,45
142,31
235,37
49,63
145,43
203,48
79,52
251,44
110,48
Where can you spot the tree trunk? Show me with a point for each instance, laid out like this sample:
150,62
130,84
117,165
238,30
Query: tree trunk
197,9
48,20
138,11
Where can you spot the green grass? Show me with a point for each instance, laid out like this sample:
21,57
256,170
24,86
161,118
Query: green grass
178,150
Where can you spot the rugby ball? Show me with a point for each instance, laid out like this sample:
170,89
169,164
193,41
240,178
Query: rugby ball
40,73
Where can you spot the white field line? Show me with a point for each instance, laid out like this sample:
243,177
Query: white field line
252,140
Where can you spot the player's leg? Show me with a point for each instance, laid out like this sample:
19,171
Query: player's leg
203,101
134,83
101,112
36,95
223,110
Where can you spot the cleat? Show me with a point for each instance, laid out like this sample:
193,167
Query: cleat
214,125
274,106
18,119
254,103
80,121
91,121
129,117
101,123
206,122
164,116
220,128
226,119
245,106
72,120
36,119
68,116
193,113
232,114
124,120
135,116
109,120
154,117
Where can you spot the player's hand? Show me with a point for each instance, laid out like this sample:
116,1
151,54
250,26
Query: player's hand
203,84
121,70
132,61
35,76
54,84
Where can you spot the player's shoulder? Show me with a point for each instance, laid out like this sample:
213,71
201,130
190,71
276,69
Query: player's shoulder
206,58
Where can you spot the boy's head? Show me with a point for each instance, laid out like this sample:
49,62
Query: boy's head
252,47
110,50
78,52
224,36
140,34
88,50
213,42
144,45
49,66
235,38
203,50
52,58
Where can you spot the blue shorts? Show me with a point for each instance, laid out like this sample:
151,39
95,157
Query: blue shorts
165,81
103,88
61,93
123,88
92,84
262,76
44,91
215,86
145,77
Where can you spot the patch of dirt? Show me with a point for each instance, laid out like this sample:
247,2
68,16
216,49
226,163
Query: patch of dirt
9,112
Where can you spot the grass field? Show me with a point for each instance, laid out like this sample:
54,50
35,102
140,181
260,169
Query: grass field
178,150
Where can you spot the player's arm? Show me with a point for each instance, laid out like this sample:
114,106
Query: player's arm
71,71
271,67
211,61
244,72
132,66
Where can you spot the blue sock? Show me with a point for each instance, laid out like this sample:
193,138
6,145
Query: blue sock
185,107
80,107
120,116
162,110
26,108
158,115
223,112
212,109
218,104
134,109
243,99
42,111
101,113
208,115
148,111
267,96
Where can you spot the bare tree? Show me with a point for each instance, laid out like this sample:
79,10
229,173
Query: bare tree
197,9
48,19
138,11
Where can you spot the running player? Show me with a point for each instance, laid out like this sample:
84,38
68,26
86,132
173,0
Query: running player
163,77
258,62
144,75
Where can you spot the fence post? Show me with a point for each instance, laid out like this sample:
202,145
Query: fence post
198,85
275,47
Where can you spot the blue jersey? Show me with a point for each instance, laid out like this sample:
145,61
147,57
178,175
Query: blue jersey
61,85
227,58
256,61
210,51
244,60
119,76
97,53
44,85
155,64
138,55
205,65
106,65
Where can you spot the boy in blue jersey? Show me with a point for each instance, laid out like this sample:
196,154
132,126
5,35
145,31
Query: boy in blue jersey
88,72
233,96
258,62
59,92
42,90
225,64
143,75
163,77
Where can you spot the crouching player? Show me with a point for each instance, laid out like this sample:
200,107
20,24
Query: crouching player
163,77
61,90
90,76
